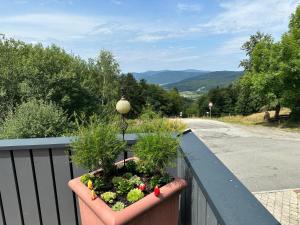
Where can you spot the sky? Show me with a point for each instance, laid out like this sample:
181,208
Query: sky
148,34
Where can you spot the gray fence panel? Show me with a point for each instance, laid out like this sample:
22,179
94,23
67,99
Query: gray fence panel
201,207
46,187
210,217
26,181
194,202
8,188
65,198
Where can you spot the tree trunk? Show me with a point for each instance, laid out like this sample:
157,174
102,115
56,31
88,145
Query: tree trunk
277,111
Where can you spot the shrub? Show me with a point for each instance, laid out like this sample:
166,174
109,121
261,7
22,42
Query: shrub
98,183
135,195
156,152
124,186
33,119
118,206
97,146
108,196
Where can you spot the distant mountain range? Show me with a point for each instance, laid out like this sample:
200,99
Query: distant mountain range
190,80
167,76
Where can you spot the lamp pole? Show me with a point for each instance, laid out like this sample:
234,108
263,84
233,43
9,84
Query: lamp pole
210,105
123,107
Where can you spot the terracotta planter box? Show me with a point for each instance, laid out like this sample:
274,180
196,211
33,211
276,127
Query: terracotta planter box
150,210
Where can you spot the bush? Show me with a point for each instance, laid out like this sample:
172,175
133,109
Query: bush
156,152
151,122
109,196
118,206
33,119
135,195
97,146
116,180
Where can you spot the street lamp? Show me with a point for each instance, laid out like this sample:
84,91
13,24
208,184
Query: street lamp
123,107
210,105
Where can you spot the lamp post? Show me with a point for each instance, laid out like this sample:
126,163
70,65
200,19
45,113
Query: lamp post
210,105
123,107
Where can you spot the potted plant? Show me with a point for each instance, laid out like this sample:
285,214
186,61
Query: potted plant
137,192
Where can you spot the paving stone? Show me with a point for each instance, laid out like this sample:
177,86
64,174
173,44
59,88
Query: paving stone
283,204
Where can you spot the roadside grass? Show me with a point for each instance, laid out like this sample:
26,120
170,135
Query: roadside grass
258,119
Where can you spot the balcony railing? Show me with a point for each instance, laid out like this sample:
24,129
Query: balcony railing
34,175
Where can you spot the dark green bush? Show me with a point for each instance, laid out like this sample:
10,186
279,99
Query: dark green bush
35,118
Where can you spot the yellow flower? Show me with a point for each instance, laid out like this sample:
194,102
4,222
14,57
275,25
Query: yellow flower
93,195
90,185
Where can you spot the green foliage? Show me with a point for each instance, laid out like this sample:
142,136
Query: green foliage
135,180
150,121
118,206
86,177
156,151
97,146
117,180
98,183
127,175
134,195
124,186
109,196
35,118
130,166
159,180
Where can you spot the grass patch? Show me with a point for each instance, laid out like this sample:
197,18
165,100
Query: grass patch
258,119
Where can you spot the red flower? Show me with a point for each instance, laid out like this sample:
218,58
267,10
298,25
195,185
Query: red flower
142,187
156,191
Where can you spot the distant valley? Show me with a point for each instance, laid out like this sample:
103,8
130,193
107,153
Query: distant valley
190,80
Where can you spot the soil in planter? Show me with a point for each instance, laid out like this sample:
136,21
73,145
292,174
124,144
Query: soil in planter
150,182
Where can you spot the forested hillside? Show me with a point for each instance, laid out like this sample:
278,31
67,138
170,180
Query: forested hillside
206,81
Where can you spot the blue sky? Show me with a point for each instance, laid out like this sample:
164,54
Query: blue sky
148,34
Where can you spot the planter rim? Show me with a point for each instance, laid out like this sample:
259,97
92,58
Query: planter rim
110,217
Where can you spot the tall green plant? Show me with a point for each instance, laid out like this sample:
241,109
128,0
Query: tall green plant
97,146
156,152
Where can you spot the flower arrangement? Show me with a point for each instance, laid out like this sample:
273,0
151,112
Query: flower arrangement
97,147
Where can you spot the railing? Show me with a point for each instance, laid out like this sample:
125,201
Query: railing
214,195
34,175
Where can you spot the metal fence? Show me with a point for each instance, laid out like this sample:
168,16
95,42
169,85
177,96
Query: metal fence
34,175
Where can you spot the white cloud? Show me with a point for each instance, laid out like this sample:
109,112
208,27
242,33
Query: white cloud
249,15
189,7
232,46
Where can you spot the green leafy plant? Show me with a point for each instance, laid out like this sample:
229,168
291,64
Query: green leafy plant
35,118
135,195
156,152
108,196
135,180
97,146
154,181
86,177
124,186
98,183
118,206
117,180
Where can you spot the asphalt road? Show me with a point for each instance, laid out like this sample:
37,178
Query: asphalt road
262,158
